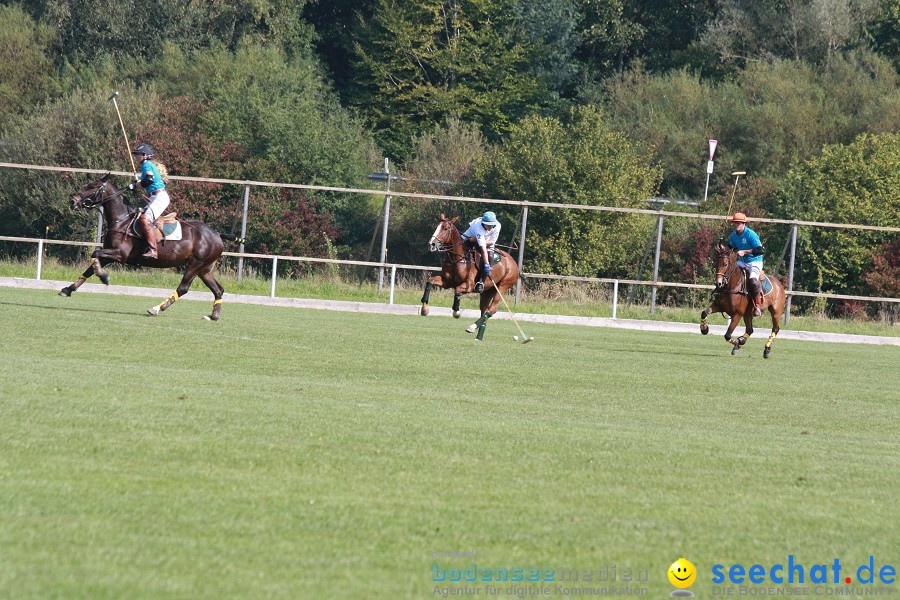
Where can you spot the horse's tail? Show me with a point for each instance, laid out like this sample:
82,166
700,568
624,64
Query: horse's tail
232,237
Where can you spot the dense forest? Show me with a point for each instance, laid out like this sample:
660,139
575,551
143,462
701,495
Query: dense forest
604,102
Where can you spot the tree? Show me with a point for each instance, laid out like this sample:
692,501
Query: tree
25,62
579,161
854,183
418,61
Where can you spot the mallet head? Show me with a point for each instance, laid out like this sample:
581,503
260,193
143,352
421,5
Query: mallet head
113,95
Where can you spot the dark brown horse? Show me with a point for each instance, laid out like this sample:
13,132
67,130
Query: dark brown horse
198,249
731,297
459,269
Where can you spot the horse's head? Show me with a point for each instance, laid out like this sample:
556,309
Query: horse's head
723,264
91,195
443,234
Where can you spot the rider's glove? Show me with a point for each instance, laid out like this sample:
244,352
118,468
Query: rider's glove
486,269
137,178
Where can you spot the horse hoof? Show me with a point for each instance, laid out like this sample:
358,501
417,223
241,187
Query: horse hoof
153,311
456,314
734,350
472,328
66,291
210,318
704,329
424,311
766,352
104,278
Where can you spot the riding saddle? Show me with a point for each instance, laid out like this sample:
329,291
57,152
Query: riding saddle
165,227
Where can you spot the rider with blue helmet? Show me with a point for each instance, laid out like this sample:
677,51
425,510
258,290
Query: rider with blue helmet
483,232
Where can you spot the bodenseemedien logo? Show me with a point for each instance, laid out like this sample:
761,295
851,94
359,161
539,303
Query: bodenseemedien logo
682,574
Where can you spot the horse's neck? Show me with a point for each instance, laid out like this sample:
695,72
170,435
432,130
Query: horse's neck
457,248
114,209
735,275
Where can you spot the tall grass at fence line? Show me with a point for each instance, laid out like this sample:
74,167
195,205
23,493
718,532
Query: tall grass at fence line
359,284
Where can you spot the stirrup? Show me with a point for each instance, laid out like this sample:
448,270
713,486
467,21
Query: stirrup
150,253
479,286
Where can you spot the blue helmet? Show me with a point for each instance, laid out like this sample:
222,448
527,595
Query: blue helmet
489,218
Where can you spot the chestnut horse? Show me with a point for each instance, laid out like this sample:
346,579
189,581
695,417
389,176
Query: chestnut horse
198,249
731,297
458,271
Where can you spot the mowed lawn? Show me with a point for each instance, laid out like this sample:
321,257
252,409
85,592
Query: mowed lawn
315,454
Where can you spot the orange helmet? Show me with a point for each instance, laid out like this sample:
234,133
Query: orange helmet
739,217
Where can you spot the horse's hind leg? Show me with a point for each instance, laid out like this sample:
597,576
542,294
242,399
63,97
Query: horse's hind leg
216,288
96,263
776,313
182,289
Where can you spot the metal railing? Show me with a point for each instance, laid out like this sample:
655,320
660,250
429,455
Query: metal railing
660,215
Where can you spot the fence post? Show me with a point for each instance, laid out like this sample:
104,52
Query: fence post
274,276
384,227
521,251
240,274
100,226
787,306
615,297
40,257
659,228
393,278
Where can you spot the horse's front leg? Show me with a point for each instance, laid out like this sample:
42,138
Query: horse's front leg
712,308
436,281
95,268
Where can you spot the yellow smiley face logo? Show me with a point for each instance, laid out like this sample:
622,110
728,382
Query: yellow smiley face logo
682,573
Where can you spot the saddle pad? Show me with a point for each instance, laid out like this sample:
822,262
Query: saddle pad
765,284
496,257
172,231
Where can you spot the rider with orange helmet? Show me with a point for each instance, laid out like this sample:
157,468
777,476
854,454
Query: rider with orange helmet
750,251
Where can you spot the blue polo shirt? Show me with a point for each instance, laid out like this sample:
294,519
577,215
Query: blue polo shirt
746,241
151,178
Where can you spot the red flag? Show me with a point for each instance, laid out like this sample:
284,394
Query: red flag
712,148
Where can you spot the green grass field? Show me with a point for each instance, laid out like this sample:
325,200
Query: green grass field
314,454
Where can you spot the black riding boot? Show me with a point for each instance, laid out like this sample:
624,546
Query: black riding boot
753,288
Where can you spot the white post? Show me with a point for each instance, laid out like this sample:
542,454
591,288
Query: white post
787,305
615,297
521,251
384,228
659,228
243,233
274,276
709,167
40,257
393,278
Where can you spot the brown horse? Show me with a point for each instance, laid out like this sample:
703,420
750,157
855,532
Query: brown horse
731,297
198,249
459,269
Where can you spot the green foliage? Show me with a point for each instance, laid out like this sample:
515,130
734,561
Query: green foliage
25,61
768,118
90,29
417,61
854,183
579,161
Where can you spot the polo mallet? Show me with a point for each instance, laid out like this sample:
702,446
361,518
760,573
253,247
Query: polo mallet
525,338
127,144
736,175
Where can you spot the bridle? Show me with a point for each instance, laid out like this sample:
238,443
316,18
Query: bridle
726,273
96,198
437,245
